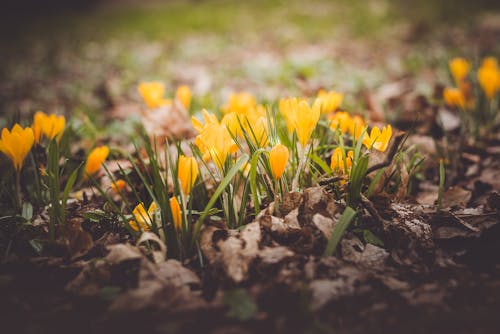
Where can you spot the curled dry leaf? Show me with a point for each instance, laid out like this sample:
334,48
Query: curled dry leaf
284,229
232,251
163,286
157,255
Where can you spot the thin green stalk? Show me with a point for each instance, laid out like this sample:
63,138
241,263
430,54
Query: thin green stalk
338,231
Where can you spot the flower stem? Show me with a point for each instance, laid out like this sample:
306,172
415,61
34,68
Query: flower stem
302,161
18,189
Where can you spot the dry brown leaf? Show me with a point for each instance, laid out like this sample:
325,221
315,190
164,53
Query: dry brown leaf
233,251
76,241
168,122
456,196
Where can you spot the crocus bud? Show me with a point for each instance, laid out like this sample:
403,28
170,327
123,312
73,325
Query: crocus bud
278,158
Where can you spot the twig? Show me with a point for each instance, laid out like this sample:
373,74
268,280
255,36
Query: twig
372,210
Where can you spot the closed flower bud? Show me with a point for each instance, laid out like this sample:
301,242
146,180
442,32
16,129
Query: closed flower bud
454,97
278,158
187,172
95,159
488,76
118,186
459,67
183,95
176,213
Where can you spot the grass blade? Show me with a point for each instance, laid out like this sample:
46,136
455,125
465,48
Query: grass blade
338,231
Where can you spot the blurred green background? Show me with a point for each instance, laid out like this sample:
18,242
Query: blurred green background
86,57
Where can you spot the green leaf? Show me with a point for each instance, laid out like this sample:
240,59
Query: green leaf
27,211
253,179
69,185
338,231
224,183
241,305
374,182
371,238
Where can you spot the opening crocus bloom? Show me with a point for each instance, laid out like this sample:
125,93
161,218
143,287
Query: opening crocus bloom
459,68
51,126
454,97
488,76
214,140
337,161
278,159
176,213
95,159
329,101
377,139
340,120
187,172
16,144
143,219
183,94
153,94
288,109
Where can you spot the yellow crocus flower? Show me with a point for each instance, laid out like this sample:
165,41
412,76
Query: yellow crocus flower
488,76
50,126
208,118
329,101
377,139
176,213
143,219
183,94
95,159
454,97
232,122
153,94
214,140
16,144
356,126
337,160
240,103
306,120
187,172
341,120
278,159
288,109
258,130
459,68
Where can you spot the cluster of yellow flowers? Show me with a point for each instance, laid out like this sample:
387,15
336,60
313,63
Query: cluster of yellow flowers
488,77
243,114
17,143
153,94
